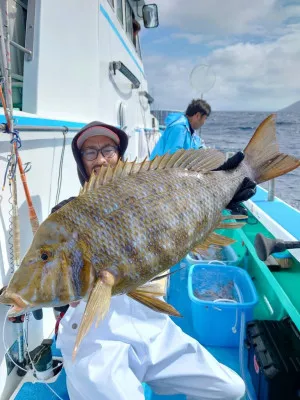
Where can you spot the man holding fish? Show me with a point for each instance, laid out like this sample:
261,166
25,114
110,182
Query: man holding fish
129,224
140,324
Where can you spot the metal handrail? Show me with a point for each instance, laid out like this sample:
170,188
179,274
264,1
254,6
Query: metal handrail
148,97
19,47
42,128
119,66
271,190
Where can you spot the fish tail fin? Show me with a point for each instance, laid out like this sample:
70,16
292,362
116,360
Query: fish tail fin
262,153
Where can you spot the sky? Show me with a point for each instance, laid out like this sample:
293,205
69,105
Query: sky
239,54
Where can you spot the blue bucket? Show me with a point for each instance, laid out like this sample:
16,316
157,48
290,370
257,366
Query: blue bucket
227,256
218,295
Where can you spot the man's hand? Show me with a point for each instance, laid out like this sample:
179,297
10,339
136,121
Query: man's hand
247,188
245,192
232,162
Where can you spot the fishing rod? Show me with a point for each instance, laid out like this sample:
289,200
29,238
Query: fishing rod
32,213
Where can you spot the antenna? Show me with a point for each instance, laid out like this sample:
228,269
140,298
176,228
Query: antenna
202,80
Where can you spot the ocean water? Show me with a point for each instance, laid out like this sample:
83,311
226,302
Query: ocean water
231,131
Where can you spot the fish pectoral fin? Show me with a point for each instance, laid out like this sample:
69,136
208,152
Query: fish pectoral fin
200,248
97,306
152,288
152,302
214,239
231,225
233,217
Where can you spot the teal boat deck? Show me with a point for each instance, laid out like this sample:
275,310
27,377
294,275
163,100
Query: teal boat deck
40,391
284,283
285,215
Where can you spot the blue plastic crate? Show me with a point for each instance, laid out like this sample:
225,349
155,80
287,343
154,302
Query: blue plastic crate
228,257
218,296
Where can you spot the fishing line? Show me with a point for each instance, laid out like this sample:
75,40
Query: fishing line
45,383
59,180
26,341
30,359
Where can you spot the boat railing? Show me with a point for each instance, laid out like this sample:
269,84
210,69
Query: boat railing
271,190
23,49
42,128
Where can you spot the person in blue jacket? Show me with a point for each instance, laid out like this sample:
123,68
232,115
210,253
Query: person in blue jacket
180,132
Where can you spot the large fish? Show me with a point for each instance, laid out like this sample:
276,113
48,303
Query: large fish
133,222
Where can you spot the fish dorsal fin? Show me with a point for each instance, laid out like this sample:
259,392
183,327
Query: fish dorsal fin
202,160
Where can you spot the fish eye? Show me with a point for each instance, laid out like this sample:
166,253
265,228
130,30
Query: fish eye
45,255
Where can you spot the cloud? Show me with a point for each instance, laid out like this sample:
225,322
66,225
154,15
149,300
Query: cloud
190,37
207,40
168,81
249,76
220,17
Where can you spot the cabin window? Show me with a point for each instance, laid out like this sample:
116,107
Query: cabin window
132,26
119,10
129,18
19,12
111,2
137,44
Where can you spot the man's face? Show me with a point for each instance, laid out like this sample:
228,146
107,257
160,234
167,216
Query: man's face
199,120
108,147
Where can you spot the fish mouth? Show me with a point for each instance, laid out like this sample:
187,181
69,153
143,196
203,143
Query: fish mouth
18,305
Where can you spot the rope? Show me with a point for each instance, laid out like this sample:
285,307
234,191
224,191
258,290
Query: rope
10,232
16,140
61,163
9,99
16,144
4,61
10,172
15,224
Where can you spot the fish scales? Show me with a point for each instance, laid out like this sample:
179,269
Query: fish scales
152,224
132,223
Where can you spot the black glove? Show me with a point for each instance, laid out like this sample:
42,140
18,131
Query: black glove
232,162
245,191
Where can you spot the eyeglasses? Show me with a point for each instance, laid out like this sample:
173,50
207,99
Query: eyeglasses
106,152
